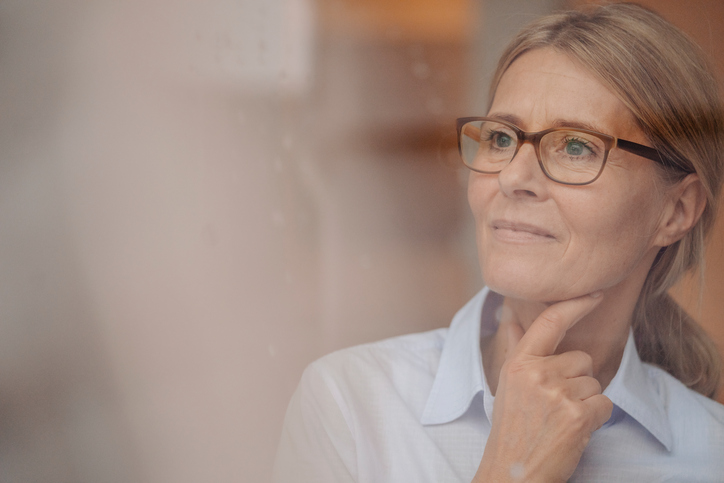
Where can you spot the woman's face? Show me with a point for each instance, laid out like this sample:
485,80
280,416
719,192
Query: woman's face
543,241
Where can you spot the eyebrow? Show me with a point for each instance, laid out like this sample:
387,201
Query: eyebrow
517,121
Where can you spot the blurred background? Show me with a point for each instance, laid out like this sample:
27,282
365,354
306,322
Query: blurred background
198,198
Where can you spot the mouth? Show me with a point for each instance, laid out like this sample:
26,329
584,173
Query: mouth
516,232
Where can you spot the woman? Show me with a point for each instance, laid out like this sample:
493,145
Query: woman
595,177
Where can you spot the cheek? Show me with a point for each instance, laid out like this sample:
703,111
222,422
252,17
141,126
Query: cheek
615,235
630,219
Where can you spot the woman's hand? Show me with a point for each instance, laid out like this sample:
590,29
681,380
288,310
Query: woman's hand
546,406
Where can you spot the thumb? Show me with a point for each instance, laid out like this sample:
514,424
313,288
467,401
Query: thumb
514,332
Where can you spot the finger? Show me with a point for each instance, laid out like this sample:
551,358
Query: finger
571,364
601,408
547,331
514,332
582,388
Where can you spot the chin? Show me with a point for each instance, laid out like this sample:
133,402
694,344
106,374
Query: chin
531,285
519,292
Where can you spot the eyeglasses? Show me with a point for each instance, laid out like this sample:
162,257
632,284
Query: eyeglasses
566,155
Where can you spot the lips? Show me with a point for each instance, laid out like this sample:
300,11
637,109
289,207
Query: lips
514,231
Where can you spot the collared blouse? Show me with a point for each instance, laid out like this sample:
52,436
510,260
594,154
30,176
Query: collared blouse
417,408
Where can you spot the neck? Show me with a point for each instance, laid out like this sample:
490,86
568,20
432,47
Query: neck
602,334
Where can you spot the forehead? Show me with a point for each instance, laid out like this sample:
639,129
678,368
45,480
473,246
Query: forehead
544,87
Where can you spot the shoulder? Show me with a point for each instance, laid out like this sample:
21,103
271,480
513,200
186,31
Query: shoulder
407,349
412,356
357,393
350,398
338,421
372,384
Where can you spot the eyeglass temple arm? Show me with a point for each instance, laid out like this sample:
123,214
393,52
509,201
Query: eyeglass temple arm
650,153
640,150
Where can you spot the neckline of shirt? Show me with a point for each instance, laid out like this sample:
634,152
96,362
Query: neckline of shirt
460,376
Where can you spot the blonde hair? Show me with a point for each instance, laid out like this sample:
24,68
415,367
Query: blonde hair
662,77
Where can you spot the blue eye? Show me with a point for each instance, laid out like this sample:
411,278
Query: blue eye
502,140
576,147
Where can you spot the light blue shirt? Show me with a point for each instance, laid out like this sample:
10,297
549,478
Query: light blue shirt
417,408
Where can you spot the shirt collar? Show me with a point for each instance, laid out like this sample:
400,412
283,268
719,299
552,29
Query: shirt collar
460,377
633,391
460,372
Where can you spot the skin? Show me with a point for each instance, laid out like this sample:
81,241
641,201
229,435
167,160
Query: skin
570,262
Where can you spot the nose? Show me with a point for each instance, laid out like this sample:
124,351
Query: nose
523,177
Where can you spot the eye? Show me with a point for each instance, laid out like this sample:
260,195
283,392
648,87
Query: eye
577,147
502,140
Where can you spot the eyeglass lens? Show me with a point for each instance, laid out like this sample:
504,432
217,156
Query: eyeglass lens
568,156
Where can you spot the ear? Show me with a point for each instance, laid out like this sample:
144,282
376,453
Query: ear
685,205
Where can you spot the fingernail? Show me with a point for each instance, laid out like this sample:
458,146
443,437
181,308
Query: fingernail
596,294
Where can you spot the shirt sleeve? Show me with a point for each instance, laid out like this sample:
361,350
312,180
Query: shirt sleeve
317,444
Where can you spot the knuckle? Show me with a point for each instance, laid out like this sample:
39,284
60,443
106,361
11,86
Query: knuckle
536,376
577,413
578,417
558,398
527,373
